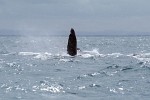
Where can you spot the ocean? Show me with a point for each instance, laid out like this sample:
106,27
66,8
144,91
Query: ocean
106,68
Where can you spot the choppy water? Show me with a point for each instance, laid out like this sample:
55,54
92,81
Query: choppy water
107,68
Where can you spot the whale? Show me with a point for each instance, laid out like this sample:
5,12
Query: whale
72,43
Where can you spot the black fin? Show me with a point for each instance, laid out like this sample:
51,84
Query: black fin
72,43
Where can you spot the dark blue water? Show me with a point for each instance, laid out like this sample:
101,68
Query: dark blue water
106,68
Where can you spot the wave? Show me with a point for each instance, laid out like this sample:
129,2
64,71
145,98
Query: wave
90,54
28,53
64,57
48,87
42,56
67,58
95,53
143,57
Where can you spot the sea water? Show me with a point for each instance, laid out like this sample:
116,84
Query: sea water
106,68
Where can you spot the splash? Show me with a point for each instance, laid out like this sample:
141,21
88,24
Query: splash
143,57
67,58
90,54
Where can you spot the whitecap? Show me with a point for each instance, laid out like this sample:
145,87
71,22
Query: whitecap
81,87
116,55
87,56
65,60
28,53
94,85
43,56
90,54
144,57
93,52
45,87
53,89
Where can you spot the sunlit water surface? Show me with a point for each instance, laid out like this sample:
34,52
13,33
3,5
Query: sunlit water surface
106,68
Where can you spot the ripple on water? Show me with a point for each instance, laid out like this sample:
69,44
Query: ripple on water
14,67
13,87
126,69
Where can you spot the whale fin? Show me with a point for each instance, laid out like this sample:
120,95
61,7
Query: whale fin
72,43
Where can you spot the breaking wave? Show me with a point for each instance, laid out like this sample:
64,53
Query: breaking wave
143,57
83,54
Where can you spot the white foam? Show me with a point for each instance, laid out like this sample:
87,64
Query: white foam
90,54
65,60
81,87
145,57
115,55
93,52
87,55
53,88
43,56
62,56
28,53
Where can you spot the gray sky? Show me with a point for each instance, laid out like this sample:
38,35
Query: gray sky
85,16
